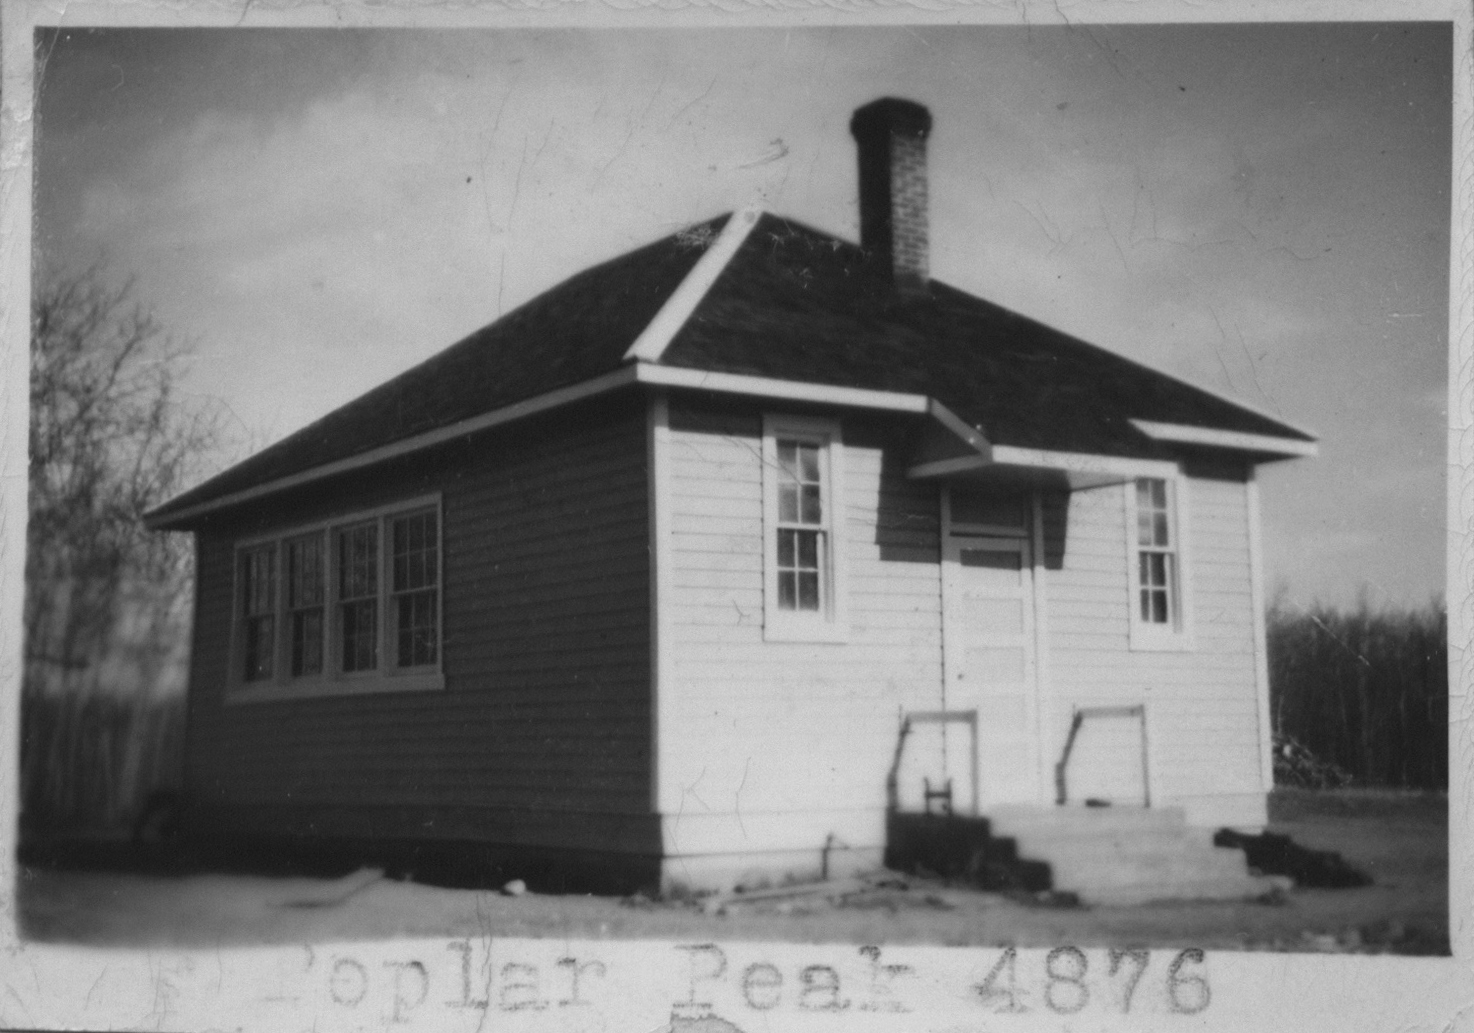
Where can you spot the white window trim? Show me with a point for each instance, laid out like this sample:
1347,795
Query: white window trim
832,623
332,681
1177,636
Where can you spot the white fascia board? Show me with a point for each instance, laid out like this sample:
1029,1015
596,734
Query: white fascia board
1186,434
656,337
1083,462
784,390
506,414
641,372
1113,467
948,467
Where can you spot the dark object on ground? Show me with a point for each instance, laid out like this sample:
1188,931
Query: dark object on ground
159,820
1274,854
961,848
1295,765
1093,802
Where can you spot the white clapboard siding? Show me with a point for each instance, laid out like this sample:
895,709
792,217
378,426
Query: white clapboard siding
1202,723
758,727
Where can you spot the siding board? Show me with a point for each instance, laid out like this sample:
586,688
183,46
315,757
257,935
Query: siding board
793,727
546,710
1202,717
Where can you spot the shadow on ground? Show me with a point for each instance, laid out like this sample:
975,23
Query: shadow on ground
104,895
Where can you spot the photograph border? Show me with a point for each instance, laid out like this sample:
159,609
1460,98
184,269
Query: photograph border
455,983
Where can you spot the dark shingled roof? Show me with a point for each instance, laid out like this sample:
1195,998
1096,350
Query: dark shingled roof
798,304
792,304
578,330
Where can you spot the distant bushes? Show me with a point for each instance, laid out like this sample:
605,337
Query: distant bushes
1366,691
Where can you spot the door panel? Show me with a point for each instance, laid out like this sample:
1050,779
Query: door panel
988,582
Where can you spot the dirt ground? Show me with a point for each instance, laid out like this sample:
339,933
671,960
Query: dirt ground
1400,839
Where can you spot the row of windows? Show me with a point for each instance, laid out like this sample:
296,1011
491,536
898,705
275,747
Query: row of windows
355,598
362,596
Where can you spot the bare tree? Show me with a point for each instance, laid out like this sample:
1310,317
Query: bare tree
110,437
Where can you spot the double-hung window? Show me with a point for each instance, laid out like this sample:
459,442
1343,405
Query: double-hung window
803,525
347,606
1158,595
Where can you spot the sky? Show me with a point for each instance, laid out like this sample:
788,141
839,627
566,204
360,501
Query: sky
1262,210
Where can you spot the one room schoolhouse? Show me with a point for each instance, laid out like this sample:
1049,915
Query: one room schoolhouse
702,562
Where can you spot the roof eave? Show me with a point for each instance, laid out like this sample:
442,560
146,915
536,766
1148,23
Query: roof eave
169,518
1266,445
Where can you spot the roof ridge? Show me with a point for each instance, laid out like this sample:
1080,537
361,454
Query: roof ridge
652,342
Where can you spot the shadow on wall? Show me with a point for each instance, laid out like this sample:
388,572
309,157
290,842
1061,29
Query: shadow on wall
909,520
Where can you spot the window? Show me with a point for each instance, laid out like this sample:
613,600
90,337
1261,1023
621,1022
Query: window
356,607
1158,605
988,512
804,597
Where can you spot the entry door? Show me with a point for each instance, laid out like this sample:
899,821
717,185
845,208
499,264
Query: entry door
989,654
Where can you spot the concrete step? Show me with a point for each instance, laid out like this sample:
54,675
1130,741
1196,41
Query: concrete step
1123,855
1092,842
1025,820
1244,887
1083,875
1078,851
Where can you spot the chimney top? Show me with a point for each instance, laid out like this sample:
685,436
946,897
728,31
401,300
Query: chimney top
890,115
891,134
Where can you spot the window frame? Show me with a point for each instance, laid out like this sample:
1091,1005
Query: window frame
1176,634
830,623
332,680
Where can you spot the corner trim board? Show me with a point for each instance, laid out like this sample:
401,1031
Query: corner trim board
662,594
1261,634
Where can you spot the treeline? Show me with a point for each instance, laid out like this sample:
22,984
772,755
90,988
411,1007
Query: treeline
1366,690
112,435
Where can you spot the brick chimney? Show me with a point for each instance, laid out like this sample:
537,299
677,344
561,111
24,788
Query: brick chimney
891,135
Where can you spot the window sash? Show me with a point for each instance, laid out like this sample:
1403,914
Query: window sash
258,609
803,540
1157,576
306,600
358,597
1156,581
415,589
